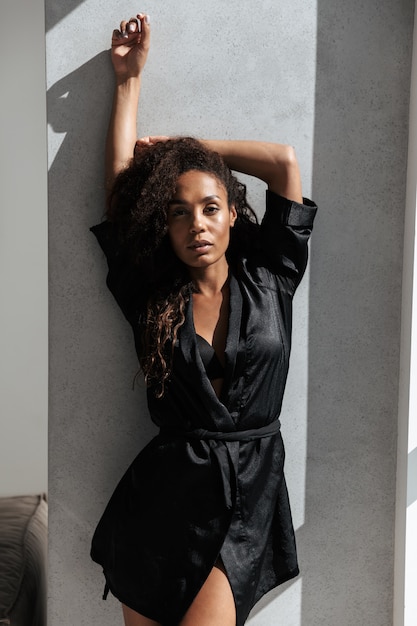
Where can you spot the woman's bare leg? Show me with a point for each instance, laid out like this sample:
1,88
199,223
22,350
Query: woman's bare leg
214,604
136,619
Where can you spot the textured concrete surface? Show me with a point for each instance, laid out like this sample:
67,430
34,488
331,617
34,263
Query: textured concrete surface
331,78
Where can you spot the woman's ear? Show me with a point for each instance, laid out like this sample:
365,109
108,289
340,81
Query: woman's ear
233,215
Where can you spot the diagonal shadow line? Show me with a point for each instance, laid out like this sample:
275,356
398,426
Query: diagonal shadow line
57,11
412,477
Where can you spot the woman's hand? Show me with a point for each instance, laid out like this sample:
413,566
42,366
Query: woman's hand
130,47
146,141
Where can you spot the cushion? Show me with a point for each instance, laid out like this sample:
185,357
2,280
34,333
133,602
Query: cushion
23,550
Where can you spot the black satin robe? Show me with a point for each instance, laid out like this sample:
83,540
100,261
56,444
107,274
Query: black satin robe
212,482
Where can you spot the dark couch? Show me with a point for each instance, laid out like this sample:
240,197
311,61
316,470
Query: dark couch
23,555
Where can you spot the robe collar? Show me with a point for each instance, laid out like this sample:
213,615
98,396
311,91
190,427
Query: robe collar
189,347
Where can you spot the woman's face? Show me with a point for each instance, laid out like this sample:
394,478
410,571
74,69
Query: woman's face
199,219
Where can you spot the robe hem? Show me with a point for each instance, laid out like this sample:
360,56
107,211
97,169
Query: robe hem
280,581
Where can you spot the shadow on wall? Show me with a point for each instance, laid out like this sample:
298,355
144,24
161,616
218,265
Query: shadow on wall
346,545
360,151
57,11
78,105
86,358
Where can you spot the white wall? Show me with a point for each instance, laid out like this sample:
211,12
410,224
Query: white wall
23,250
332,78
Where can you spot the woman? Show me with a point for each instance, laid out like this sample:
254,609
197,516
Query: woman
199,528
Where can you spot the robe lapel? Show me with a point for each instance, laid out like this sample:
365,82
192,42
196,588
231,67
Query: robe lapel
191,354
233,335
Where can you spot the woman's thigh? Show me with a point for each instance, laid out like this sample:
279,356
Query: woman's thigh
214,604
135,619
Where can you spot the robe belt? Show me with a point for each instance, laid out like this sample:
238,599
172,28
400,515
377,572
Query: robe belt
235,435
221,454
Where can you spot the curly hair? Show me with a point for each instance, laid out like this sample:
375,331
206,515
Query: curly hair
138,206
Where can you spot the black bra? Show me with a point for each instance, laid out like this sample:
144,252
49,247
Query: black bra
214,369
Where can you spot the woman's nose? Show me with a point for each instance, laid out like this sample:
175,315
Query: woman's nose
197,223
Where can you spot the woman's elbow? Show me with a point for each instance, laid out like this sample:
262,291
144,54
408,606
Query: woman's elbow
285,175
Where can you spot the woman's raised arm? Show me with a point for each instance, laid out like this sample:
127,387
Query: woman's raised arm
276,164
130,46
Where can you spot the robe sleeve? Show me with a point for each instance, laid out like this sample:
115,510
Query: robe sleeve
284,235
124,279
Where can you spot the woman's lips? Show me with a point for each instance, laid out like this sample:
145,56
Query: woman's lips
200,246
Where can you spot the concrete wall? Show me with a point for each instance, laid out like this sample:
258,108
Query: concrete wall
405,599
331,78
359,175
23,251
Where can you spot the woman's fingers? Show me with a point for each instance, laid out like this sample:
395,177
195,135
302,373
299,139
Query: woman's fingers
132,26
131,43
127,27
151,140
144,21
123,24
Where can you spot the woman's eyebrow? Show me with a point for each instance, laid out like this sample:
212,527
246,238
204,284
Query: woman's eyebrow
212,197
184,202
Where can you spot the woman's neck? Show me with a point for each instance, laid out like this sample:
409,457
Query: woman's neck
210,280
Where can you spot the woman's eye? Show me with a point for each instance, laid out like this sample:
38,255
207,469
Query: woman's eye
177,212
212,208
